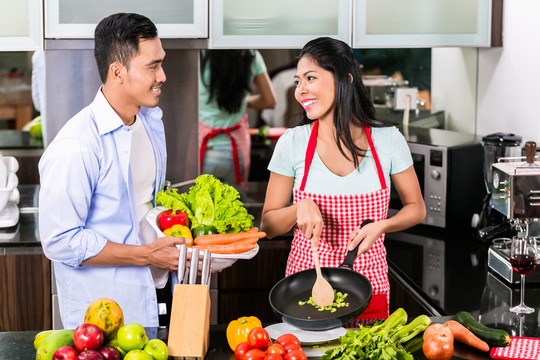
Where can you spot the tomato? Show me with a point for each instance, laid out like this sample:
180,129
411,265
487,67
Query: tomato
254,354
275,349
258,338
273,357
437,329
287,339
241,349
291,346
297,354
438,347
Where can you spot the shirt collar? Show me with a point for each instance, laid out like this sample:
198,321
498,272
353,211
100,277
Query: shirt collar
106,118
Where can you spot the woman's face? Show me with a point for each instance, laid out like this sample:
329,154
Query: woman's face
315,89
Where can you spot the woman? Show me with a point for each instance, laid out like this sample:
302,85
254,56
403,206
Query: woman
338,165
224,94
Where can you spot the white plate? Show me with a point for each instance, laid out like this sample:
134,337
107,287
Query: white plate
306,337
219,261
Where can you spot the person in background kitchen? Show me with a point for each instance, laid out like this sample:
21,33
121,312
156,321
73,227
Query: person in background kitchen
99,177
224,96
338,165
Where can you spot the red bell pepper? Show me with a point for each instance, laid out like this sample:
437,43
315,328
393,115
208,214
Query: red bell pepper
168,218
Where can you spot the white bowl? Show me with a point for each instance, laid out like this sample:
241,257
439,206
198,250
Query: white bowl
219,261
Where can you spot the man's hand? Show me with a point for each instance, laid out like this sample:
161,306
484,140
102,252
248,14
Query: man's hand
163,252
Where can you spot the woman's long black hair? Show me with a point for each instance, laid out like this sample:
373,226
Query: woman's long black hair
230,77
353,104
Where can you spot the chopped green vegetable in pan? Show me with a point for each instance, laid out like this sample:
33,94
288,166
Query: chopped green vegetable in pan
339,301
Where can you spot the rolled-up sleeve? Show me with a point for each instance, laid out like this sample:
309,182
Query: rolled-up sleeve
68,171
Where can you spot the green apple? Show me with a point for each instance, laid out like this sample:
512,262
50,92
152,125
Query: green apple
114,342
138,355
131,337
157,348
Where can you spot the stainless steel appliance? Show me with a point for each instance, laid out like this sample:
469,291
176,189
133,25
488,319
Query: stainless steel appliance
449,168
422,259
491,223
515,194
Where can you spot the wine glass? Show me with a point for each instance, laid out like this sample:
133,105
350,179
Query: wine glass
523,257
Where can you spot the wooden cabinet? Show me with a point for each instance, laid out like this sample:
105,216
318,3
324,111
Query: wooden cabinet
173,18
25,289
243,288
20,25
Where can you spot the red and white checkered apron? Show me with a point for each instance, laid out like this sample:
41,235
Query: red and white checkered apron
341,215
240,140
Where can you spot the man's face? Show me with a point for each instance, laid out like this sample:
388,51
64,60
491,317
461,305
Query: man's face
145,76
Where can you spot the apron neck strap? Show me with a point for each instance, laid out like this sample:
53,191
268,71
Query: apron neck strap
312,144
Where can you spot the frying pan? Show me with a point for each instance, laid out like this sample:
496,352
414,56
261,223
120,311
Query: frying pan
286,293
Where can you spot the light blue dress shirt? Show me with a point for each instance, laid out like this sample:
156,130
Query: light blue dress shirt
86,199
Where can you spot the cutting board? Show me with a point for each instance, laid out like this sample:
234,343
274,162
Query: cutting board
520,348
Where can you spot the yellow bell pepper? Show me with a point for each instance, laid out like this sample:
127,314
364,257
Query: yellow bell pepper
238,330
178,230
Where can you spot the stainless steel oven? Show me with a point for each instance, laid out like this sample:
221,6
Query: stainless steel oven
421,259
450,172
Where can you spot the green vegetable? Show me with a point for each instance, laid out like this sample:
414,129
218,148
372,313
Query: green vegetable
209,203
382,340
494,337
339,301
203,230
414,344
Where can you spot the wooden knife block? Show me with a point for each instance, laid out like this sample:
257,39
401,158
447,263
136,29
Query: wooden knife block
189,329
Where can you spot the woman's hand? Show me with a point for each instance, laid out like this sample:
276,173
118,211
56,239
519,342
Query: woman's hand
365,236
309,220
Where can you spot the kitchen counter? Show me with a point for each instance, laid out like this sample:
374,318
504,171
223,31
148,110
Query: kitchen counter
462,282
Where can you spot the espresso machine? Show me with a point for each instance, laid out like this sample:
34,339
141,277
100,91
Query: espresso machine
515,193
491,223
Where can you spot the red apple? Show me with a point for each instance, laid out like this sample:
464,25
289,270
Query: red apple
65,353
87,337
89,355
110,353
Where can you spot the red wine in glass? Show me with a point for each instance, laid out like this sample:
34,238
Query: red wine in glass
522,263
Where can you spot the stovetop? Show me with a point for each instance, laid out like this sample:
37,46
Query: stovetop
499,262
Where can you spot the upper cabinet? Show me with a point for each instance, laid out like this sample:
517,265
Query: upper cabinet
426,23
77,19
277,23
20,25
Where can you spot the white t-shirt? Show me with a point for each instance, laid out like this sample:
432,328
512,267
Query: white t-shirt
143,175
289,154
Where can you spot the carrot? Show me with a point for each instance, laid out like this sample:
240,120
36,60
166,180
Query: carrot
253,229
228,248
224,239
464,335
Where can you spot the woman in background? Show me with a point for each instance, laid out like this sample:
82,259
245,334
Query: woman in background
350,158
224,96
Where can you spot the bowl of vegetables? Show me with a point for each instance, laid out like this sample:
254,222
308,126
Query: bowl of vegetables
216,219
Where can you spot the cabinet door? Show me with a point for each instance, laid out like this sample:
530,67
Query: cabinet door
277,23
20,25
421,23
173,18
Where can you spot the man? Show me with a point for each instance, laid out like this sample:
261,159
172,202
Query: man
99,177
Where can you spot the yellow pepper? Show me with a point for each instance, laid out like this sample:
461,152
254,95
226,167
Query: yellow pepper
238,330
178,230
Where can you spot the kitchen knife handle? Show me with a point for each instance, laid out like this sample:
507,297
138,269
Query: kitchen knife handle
194,266
205,272
348,263
181,263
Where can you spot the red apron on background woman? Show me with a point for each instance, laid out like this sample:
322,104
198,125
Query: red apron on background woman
240,143
341,215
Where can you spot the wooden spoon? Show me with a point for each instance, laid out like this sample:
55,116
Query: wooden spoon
322,292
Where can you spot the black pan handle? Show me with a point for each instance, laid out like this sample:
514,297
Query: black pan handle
348,263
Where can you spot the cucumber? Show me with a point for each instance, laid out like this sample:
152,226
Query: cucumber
494,337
